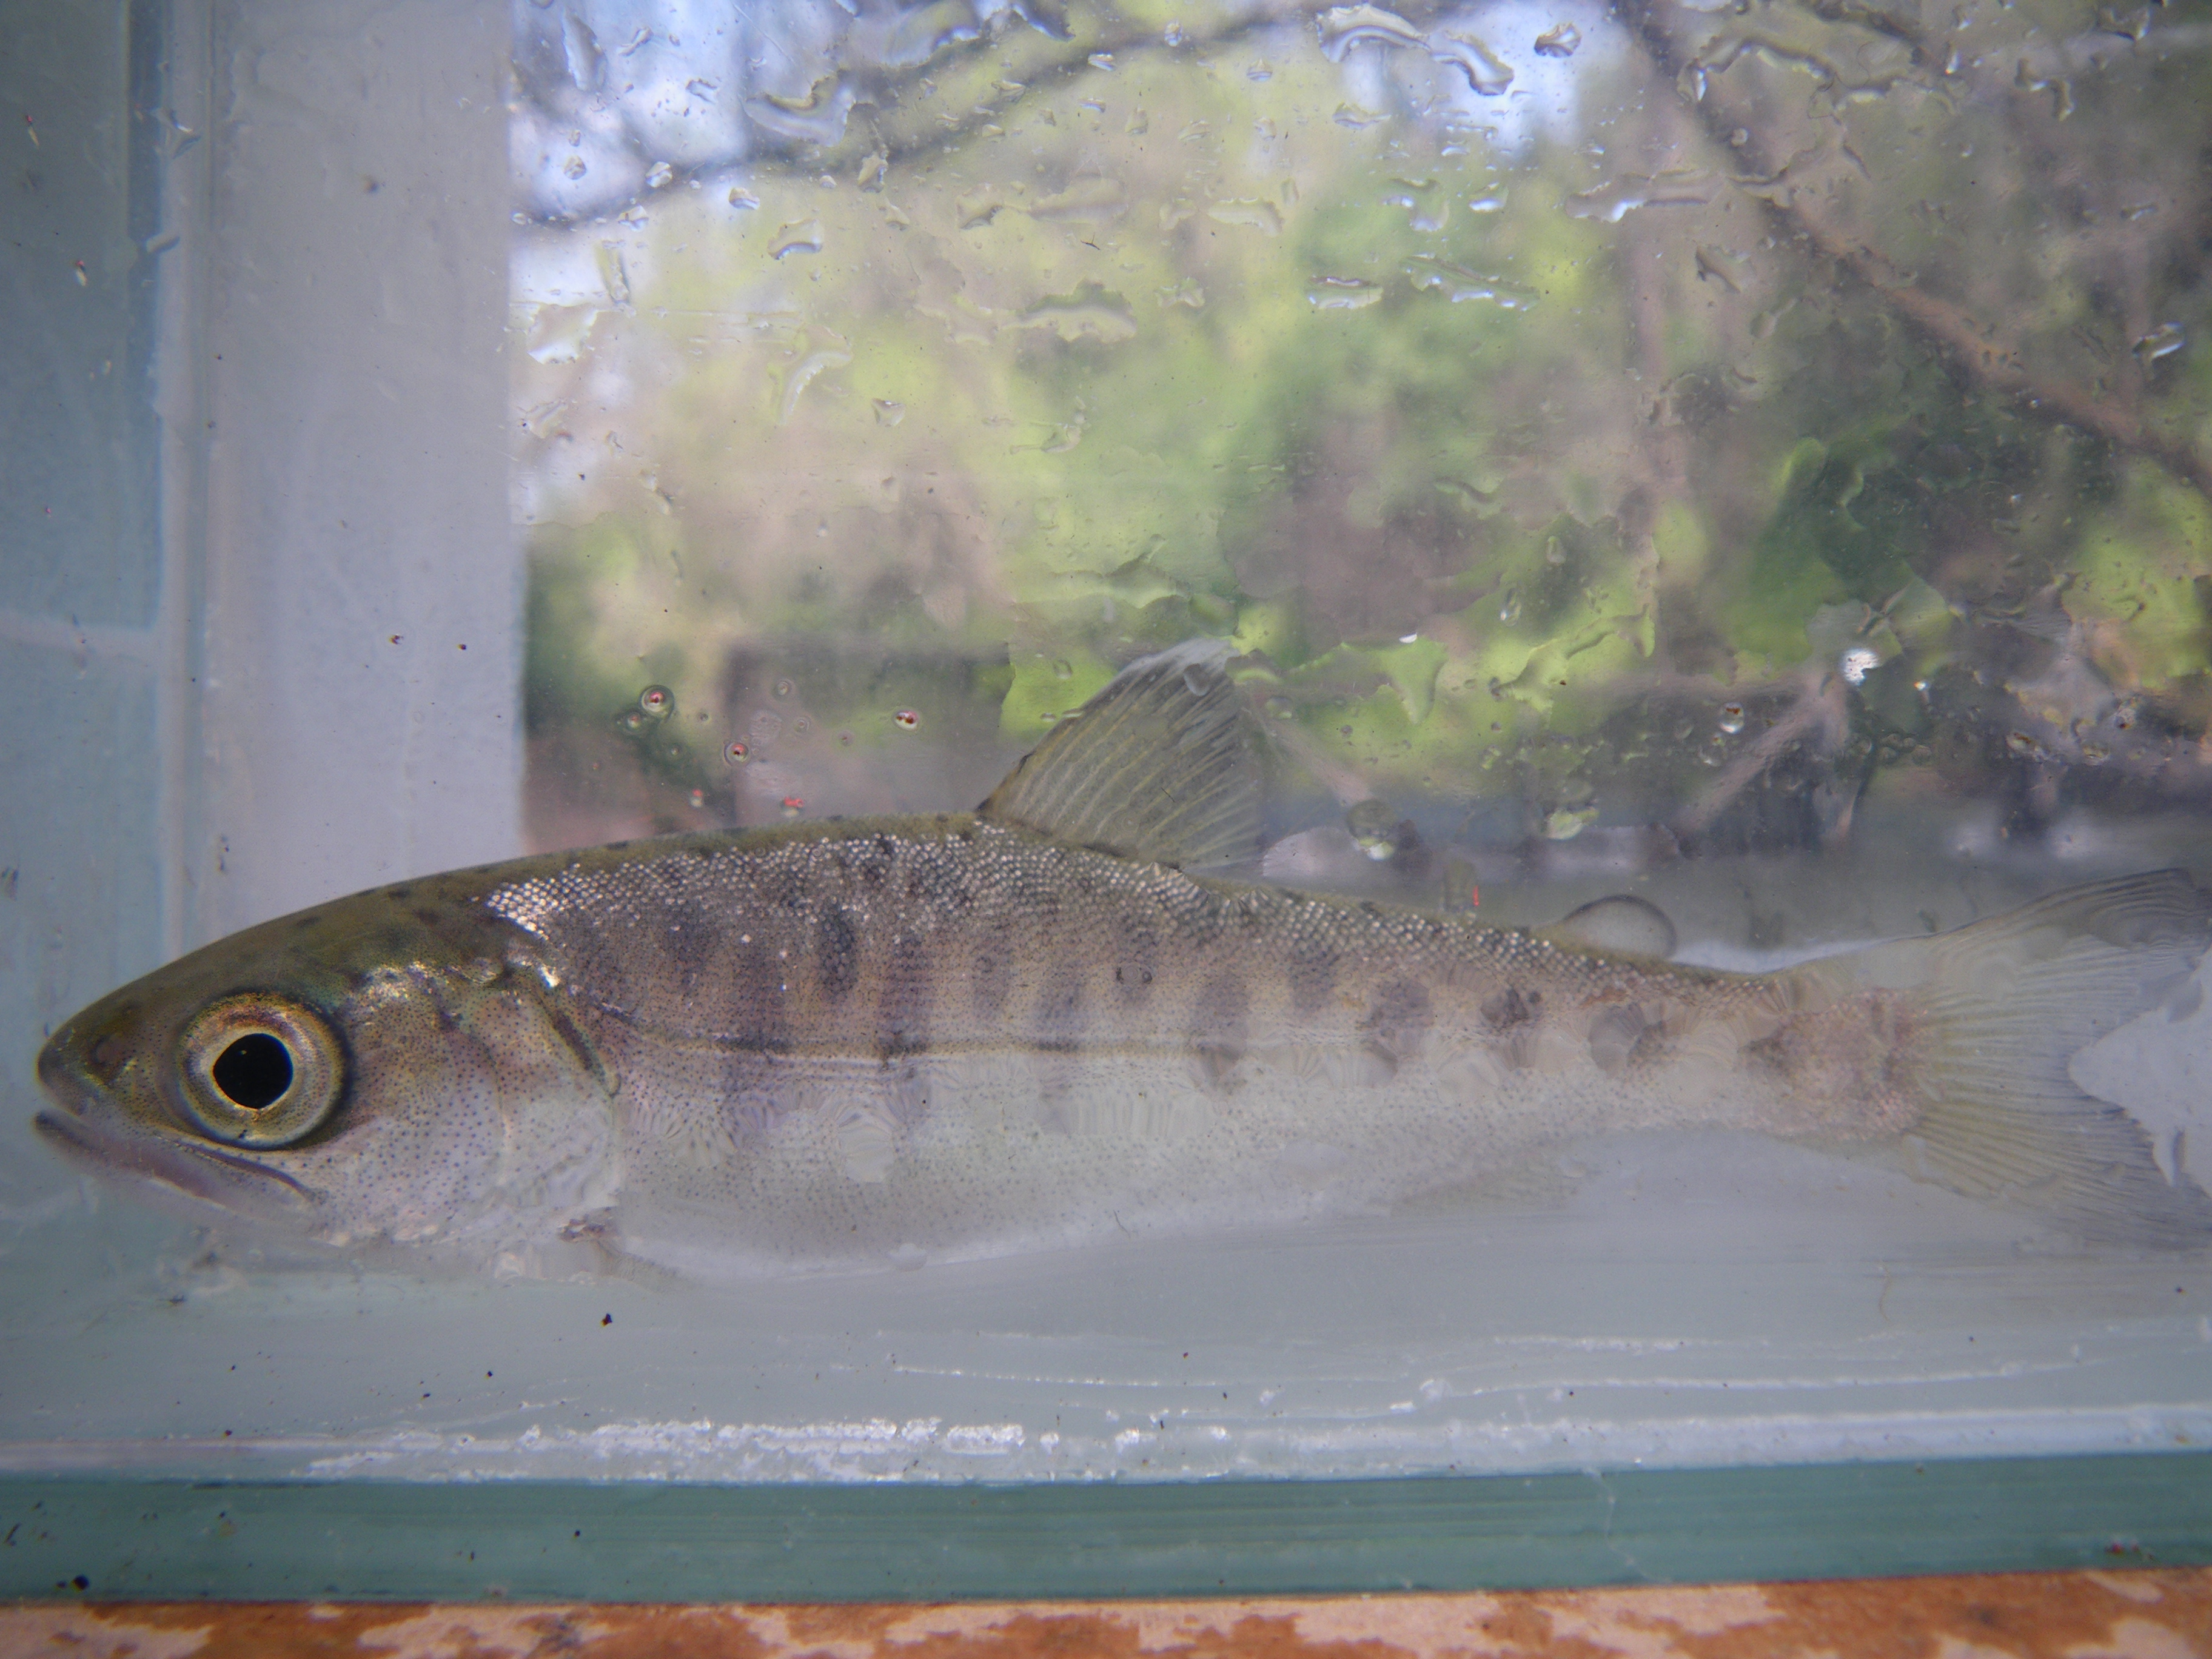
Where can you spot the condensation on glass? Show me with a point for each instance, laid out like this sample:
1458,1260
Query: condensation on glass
1753,458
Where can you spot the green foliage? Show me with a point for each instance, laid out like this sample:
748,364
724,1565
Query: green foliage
1484,463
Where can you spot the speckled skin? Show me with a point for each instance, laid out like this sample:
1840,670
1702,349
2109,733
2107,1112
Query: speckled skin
855,1042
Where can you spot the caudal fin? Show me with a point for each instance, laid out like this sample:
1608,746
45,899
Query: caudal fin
1999,1010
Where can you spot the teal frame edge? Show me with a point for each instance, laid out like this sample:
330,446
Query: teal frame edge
122,1537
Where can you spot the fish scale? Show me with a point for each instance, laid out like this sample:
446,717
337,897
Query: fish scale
1035,1026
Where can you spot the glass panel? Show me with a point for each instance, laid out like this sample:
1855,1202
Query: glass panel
1750,460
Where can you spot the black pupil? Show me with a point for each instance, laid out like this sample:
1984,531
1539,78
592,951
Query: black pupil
254,1070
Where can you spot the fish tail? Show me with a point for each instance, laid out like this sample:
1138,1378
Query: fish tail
1996,1012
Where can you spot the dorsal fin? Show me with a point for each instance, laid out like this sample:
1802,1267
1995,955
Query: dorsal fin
1157,766
1620,924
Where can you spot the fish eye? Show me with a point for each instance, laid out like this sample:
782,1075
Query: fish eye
260,1071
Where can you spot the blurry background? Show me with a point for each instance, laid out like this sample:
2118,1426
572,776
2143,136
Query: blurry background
1676,430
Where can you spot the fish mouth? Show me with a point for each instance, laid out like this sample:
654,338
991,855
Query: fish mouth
211,1174
84,1125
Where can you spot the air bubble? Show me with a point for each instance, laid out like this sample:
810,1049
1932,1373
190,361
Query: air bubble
2162,342
803,237
1731,718
656,702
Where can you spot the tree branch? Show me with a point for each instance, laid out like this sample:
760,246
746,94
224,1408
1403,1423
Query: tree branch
1980,354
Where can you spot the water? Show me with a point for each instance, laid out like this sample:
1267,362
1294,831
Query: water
1716,462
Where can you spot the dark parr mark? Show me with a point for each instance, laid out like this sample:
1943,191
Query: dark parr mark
754,1017
1509,1008
692,945
1059,1016
1398,1019
836,953
1312,975
903,999
991,973
1137,959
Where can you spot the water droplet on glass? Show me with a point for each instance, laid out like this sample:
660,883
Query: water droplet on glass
2123,716
657,175
1493,202
1343,28
907,718
1487,73
803,237
1062,669
2162,342
1731,718
1103,61
1342,294
2025,746
1568,822
1426,202
736,753
801,726
1673,187
2095,753
698,799
630,720
784,688
574,168
817,119
743,199
793,806
656,702
1261,70
1559,41
888,412
1373,825
1723,266
1429,275
1510,612
1280,707
923,32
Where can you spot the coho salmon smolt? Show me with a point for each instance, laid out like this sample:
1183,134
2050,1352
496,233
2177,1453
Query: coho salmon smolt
865,1041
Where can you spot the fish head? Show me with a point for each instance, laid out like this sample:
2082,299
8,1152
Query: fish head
393,1066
